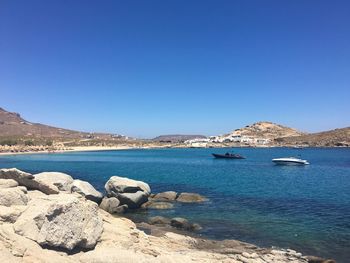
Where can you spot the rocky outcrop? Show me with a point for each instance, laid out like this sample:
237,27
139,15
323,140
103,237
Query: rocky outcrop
66,227
61,180
86,189
129,192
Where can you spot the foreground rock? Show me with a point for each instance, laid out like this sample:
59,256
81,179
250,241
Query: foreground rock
63,221
129,192
13,196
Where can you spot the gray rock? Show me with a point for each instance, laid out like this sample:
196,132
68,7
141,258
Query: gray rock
8,183
13,196
87,190
33,184
157,205
27,180
61,180
11,213
133,200
129,192
159,220
179,222
116,185
62,220
190,198
15,174
313,259
121,209
110,205
184,224
165,196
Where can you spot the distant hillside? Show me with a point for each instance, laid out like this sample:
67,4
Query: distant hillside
267,130
175,138
12,125
337,137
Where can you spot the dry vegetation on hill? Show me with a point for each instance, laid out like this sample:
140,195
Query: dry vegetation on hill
337,137
268,130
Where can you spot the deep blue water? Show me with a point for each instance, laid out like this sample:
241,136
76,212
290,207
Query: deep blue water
305,208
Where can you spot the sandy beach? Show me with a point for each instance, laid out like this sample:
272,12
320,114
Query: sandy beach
70,149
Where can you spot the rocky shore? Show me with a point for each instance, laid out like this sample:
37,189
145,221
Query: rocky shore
50,217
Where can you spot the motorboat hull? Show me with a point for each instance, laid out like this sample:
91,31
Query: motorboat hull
231,156
290,161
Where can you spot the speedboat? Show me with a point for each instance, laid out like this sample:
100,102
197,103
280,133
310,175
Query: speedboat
228,156
290,161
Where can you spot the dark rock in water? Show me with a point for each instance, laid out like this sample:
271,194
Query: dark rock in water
159,220
110,204
313,259
121,209
133,200
157,205
196,227
191,198
166,196
182,223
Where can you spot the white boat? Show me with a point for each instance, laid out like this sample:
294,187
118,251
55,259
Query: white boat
290,161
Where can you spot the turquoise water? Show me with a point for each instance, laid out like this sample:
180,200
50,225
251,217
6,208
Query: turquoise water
305,208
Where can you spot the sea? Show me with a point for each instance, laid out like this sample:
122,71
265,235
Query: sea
305,208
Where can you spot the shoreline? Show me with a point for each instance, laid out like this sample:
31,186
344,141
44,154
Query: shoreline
125,147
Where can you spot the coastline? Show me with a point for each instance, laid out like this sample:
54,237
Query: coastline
44,218
129,147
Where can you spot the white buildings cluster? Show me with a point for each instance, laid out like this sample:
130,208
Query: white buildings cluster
238,138
232,138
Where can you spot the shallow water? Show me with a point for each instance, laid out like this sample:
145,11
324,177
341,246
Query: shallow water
306,208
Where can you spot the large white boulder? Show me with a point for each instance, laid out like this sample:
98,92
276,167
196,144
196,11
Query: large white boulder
87,190
28,180
61,180
129,192
117,184
63,221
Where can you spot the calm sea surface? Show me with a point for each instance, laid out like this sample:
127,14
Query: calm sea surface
304,208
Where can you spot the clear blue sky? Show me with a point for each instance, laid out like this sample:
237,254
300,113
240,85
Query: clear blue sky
145,68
